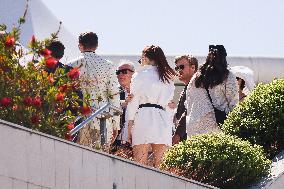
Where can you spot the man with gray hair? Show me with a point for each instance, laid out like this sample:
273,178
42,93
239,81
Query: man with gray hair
124,74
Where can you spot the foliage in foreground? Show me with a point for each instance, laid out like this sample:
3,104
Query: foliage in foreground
260,118
217,159
30,94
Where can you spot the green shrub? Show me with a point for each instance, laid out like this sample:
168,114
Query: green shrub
217,159
260,118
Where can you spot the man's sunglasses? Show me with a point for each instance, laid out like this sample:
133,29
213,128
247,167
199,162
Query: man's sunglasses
179,68
123,71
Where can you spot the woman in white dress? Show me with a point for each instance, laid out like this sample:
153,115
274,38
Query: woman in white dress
149,124
213,80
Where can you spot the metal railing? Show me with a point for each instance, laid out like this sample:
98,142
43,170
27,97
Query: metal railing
104,115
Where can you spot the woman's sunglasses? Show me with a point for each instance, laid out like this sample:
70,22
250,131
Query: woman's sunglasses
179,68
123,71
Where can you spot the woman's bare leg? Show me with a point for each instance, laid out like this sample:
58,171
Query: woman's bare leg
140,153
158,152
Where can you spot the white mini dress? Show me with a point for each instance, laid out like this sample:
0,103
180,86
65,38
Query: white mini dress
151,125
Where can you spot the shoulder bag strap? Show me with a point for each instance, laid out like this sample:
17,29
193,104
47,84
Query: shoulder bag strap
209,97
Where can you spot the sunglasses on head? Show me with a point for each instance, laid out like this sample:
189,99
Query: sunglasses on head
219,48
123,71
179,68
215,47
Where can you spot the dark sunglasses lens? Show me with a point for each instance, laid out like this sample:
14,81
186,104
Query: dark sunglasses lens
121,71
139,61
179,68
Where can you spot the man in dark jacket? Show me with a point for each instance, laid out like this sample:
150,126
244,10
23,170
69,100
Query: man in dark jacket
124,74
186,66
57,52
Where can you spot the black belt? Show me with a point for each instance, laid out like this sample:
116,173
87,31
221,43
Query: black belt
151,105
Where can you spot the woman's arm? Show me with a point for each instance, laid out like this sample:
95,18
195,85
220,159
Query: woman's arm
133,105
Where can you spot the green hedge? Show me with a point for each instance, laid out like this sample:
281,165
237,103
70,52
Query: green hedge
260,118
217,159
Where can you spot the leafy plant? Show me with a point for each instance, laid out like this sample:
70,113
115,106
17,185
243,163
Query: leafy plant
217,159
260,118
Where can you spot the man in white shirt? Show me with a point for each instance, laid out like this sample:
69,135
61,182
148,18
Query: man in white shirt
102,85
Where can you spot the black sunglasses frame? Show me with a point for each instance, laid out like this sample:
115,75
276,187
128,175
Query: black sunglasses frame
217,47
179,68
123,71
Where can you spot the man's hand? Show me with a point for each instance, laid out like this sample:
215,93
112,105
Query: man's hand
172,105
129,98
175,139
124,103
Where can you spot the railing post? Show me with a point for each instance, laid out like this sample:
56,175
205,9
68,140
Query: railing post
103,131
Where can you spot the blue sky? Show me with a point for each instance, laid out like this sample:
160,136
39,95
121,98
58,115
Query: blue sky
245,27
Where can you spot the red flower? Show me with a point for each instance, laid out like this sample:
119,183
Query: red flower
59,97
10,41
68,137
63,88
85,110
51,62
45,52
35,119
74,73
28,101
6,101
70,126
33,40
37,102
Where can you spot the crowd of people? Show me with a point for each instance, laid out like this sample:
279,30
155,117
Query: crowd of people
145,94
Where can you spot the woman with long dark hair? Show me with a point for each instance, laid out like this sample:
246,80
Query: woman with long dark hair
152,88
212,93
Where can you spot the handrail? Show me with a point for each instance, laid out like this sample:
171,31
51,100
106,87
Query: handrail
93,115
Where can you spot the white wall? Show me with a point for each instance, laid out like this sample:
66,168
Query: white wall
32,160
265,69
